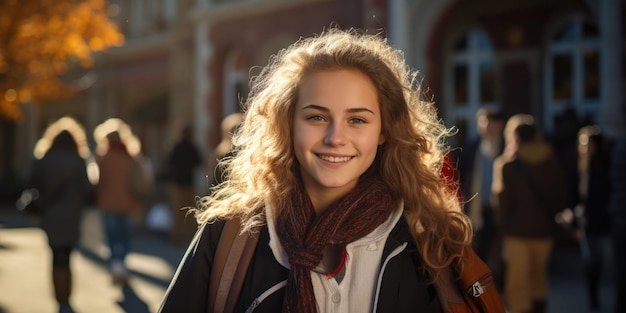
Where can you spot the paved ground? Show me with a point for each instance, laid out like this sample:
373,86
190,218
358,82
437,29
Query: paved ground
25,285
25,272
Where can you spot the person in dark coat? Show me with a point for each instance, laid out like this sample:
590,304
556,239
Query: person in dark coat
183,160
617,211
61,180
528,192
594,192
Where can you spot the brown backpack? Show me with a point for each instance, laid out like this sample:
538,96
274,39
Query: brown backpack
470,290
473,290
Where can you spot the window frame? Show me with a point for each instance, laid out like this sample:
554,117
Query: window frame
576,49
473,57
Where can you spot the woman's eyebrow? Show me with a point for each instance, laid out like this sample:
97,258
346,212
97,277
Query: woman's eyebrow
359,110
325,109
315,107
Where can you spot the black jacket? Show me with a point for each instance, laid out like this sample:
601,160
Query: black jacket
404,286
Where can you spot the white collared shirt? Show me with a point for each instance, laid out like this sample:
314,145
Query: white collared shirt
357,290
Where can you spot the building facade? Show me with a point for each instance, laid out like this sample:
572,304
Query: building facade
189,61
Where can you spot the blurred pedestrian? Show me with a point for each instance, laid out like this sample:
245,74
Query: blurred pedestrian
594,194
337,172
529,191
617,210
184,158
476,174
564,140
116,199
224,149
60,177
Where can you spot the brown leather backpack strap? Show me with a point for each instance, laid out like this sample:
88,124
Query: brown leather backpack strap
469,290
230,264
229,233
477,284
448,291
249,243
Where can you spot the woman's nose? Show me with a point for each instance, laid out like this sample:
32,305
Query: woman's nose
335,135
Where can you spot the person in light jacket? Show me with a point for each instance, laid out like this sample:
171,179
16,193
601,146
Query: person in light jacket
119,205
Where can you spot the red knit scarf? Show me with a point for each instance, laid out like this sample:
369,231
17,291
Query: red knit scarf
304,235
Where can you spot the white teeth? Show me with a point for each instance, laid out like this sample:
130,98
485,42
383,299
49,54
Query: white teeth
334,159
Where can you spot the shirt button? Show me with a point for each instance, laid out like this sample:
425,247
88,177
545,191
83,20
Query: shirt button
336,298
372,247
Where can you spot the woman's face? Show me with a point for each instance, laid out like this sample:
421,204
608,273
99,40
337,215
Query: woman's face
337,130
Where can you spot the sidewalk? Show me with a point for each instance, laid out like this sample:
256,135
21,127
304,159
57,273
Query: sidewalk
25,283
568,293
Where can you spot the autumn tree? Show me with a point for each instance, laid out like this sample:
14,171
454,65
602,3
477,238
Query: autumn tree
40,40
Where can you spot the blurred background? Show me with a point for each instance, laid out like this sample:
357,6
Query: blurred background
159,65
163,65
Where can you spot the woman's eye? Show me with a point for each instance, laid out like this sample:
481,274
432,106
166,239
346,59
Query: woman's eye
357,120
316,118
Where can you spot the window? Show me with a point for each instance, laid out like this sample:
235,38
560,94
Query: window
470,82
572,71
169,11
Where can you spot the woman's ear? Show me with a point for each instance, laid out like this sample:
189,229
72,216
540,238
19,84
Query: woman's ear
381,139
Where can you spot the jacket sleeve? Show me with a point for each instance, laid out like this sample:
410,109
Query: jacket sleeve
189,287
558,192
506,196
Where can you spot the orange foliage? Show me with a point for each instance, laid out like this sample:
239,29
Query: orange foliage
41,39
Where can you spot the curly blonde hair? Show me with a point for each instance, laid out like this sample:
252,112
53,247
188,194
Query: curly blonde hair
411,159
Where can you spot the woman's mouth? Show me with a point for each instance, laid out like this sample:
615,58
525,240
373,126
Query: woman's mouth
334,159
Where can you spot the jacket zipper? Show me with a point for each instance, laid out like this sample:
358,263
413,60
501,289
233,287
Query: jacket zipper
265,294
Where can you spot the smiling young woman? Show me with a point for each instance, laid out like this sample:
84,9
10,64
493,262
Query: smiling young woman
337,173
337,129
